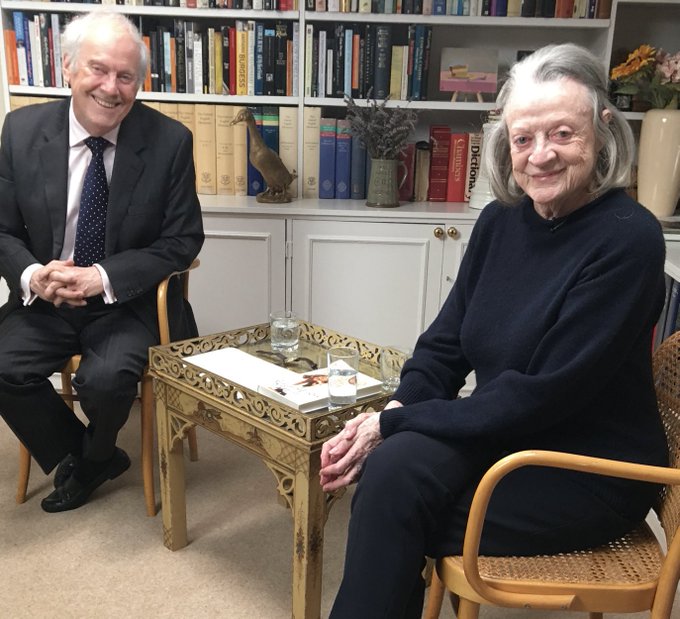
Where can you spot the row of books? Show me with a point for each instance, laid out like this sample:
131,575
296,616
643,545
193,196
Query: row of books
361,60
600,9
255,5
247,58
336,166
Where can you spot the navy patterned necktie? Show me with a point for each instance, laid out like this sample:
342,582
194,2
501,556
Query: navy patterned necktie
89,244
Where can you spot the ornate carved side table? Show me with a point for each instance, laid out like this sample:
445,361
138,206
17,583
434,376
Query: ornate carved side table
287,441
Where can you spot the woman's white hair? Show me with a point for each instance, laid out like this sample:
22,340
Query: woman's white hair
612,133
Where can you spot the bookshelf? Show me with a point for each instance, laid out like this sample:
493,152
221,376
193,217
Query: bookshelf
631,23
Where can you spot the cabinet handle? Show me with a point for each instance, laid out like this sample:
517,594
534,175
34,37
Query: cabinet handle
452,232
439,233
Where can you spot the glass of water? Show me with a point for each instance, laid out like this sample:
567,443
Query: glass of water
343,364
284,330
392,360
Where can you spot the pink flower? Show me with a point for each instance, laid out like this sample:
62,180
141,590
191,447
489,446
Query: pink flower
669,67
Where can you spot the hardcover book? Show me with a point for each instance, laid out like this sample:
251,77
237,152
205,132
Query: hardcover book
205,149
358,170
473,161
383,60
288,143
343,158
255,180
327,131
224,148
455,188
440,139
310,149
240,157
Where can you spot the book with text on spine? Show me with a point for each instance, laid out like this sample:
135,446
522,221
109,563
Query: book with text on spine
306,391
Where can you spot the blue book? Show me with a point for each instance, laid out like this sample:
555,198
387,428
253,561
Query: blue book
259,58
438,7
343,159
327,131
18,18
418,56
255,180
358,170
383,61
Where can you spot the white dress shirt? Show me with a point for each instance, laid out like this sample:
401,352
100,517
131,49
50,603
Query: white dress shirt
78,161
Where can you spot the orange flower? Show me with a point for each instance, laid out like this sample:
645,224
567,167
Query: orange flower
643,56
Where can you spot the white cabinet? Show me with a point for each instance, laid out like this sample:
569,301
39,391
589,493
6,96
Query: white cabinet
242,272
380,281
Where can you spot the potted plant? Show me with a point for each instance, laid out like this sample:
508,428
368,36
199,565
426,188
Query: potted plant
384,130
653,76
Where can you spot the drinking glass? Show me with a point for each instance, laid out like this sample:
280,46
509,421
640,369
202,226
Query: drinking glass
343,364
392,360
284,330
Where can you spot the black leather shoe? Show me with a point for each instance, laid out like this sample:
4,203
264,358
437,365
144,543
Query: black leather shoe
64,470
74,493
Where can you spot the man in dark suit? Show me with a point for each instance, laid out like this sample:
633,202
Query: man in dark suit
88,228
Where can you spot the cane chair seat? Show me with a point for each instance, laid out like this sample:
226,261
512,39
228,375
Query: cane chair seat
628,575
146,399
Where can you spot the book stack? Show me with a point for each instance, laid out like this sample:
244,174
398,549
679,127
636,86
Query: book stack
305,392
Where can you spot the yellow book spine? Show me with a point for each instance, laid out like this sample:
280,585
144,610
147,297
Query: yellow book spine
170,109
224,142
240,157
186,115
205,149
395,71
312,123
241,58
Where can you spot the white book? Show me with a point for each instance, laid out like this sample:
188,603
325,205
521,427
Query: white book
36,54
310,150
56,43
288,143
333,6
198,64
306,391
251,57
309,48
321,83
364,6
296,59
330,53
258,5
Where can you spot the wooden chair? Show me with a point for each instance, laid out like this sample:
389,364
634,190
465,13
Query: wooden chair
631,574
146,399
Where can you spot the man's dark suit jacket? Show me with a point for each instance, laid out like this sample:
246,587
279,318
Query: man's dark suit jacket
153,224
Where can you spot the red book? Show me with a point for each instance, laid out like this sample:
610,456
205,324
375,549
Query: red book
232,59
564,8
440,140
407,156
455,188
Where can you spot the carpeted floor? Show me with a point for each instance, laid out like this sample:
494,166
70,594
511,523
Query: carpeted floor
107,560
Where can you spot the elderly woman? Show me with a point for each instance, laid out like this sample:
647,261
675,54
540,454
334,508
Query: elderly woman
553,309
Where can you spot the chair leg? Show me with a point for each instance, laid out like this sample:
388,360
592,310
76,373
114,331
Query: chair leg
147,444
435,597
468,609
24,473
193,445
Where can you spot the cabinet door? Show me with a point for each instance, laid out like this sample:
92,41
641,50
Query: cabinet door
457,238
377,281
242,272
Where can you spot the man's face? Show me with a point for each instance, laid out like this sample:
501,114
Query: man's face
103,80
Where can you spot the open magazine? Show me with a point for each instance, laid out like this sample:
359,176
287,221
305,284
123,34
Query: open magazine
306,391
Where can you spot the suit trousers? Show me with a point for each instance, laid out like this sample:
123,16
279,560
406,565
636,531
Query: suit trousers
36,341
413,499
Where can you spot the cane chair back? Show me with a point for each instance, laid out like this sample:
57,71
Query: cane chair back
631,574
146,397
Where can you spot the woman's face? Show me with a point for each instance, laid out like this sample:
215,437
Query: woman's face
552,144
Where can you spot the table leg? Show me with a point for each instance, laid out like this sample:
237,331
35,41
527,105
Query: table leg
309,517
171,467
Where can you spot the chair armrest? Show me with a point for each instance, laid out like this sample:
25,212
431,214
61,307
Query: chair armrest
480,502
162,299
